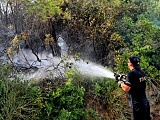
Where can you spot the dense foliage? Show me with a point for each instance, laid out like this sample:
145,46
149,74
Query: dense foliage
143,41
115,29
77,98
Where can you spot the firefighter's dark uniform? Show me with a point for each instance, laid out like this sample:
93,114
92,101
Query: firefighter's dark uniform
137,96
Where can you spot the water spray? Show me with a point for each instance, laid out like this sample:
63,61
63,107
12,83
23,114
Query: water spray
92,69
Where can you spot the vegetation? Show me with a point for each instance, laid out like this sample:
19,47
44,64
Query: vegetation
77,98
115,29
144,42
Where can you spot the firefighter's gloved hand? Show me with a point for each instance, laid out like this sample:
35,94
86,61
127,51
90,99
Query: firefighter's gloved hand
119,83
117,76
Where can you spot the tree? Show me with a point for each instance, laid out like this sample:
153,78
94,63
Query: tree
36,19
93,22
144,42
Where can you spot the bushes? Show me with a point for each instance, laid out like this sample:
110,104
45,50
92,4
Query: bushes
143,41
63,103
104,100
16,97
77,98
21,101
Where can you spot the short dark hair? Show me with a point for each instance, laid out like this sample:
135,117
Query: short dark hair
134,60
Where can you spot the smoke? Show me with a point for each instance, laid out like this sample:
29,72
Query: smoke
50,66
53,67
62,44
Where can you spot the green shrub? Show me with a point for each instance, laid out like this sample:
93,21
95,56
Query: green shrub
80,97
103,98
16,97
143,42
63,103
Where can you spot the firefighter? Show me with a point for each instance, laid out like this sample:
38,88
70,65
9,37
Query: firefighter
135,87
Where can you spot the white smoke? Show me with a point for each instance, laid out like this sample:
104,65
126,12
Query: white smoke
50,66
64,48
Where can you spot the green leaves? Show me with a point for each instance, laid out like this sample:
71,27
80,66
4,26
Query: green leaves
17,98
65,103
73,101
46,8
143,42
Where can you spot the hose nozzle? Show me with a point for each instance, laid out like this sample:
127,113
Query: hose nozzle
119,77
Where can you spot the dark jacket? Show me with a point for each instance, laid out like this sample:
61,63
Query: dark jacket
137,95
